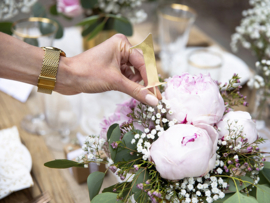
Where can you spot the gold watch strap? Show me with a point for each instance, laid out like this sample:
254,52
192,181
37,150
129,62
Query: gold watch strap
47,77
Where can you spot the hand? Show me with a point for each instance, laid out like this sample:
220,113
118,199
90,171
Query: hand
106,67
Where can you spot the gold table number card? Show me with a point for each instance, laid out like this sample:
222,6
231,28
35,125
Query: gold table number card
150,61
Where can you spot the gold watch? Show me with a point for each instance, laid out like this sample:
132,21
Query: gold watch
47,77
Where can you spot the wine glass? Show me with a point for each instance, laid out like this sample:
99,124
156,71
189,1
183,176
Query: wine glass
62,114
38,32
175,22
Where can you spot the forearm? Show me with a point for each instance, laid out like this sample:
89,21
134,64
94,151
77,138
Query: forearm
22,62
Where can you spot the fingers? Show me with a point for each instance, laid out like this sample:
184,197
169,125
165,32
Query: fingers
135,90
135,58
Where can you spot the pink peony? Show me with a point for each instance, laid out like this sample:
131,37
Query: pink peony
120,117
70,8
243,120
185,151
194,99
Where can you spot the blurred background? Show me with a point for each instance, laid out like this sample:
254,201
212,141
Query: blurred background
55,126
218,19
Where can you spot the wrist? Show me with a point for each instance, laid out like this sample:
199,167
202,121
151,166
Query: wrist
66,77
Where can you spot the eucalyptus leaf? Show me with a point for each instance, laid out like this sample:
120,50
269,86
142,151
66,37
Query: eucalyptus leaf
38,10
263,194
227,196
253,191
90,20
89,28
239,198
266,164
60,31
94,182
266,171
263,180
63,163
110,130
123,154
123,26
117,186
121,189
53,10
115,136
141,176
107,197
117,17
96,30
5,27
232,187
66,17
31,41
88,3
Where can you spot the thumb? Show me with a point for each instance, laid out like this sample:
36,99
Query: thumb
136,91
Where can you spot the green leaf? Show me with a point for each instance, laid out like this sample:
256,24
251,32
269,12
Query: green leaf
89,28
121,189
239,198
107,197
88,3
263,180
94,182
66,17
266,164
62,163
263,194
38,10
115,136
53,10
266,171
232,187
5,27
96,30
227,196
31,41
141,176
117,17
89,21
60,31
123,154
46,28
122,25
109,132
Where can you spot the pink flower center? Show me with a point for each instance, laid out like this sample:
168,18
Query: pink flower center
190,138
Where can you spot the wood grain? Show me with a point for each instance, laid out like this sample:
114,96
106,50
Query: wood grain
51,180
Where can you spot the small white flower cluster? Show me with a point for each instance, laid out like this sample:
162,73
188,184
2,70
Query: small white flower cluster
256,82
92,146
193,189
127,8
10,8
235,131
144,140
254,30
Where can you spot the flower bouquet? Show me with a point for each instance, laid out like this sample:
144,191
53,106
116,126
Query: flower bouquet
192,147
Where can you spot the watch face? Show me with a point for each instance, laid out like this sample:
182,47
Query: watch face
62,53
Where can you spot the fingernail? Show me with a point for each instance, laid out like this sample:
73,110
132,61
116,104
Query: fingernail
151,100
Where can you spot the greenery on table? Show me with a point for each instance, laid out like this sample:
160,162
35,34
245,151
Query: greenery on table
97,16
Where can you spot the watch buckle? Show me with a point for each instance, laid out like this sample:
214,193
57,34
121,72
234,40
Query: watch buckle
46,82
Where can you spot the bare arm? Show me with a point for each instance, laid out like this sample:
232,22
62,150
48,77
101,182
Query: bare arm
102,68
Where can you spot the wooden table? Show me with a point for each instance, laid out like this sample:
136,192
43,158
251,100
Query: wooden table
59,183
